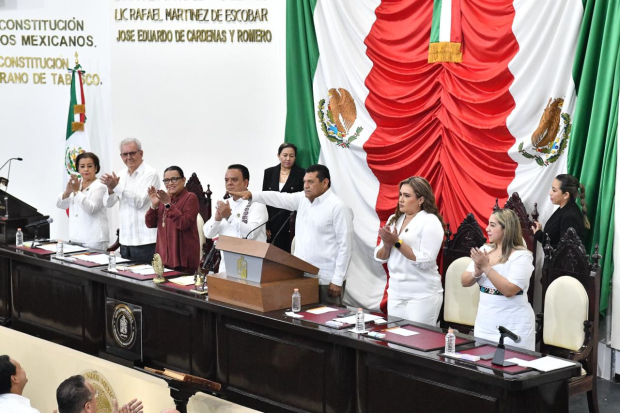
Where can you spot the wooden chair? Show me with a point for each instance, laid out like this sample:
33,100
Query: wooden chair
204,201
571,294
459,302
515,204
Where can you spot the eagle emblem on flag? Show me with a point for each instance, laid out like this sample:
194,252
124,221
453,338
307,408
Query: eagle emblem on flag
71,155
341,115
550,139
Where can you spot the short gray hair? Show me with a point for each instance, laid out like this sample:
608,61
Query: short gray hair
128,141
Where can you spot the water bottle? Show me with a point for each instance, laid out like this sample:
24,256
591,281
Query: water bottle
359,320
59,249
112,262
450,342
19,238
296,306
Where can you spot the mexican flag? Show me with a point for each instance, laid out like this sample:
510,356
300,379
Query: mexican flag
77,140
373,95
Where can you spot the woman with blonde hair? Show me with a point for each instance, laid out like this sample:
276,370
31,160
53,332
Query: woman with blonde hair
502,270
409,244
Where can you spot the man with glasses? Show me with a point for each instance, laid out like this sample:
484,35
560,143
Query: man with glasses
76,395
12,382
130,190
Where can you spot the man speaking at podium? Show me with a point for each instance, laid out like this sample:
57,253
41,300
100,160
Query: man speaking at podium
323,229
238,217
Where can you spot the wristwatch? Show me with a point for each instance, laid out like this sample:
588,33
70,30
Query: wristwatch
167,206
398,244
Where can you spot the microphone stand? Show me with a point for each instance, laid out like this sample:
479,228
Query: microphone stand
500,353
282,227
8,175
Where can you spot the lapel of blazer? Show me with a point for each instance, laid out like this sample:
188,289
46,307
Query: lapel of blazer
274,179
555,218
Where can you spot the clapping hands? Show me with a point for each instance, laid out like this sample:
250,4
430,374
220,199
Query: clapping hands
388,235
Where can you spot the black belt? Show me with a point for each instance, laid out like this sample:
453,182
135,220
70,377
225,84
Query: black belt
495,291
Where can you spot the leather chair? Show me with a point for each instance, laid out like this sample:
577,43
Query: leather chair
571,281
460,303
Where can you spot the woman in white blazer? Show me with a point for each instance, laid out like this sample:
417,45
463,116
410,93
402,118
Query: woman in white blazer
410,243
88,218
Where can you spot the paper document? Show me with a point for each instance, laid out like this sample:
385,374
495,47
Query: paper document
142,269
402,331
549,364
185,280
321,310
101,259
353,319
518,361
66,248
292,314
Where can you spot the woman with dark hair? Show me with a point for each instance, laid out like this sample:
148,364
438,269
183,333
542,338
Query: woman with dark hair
410,243
565,190
83,197
502,270
285,177
174,213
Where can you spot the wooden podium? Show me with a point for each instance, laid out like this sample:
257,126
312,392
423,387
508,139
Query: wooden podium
261,277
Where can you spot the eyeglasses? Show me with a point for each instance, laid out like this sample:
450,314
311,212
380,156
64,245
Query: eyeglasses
129,154
172,180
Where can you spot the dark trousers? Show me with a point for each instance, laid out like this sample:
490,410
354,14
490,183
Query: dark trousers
324,295
140,253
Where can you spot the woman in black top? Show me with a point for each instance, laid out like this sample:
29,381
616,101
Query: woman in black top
564,192
285,177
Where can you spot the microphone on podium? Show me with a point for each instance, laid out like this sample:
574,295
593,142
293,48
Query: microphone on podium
504,331
39,223
283,225
264,223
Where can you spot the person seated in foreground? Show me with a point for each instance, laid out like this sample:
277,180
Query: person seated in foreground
76,395
12,382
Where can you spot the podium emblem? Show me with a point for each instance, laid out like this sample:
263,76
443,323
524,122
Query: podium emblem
242,268
124,326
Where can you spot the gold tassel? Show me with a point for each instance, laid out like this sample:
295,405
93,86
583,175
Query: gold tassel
79,109
445,52
77,127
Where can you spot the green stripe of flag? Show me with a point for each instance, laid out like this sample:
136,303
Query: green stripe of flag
593,144
72,103
302,56
436,21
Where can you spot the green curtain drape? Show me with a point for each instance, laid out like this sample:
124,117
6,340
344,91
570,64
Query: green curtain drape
302,56
593,143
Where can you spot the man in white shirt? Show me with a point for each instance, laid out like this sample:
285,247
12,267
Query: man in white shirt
238,217
129,189
323,229
12,382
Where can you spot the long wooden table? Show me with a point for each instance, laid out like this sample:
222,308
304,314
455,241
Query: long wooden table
265,361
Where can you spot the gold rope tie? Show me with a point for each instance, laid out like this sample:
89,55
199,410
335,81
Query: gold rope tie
445,52
77,127
77,109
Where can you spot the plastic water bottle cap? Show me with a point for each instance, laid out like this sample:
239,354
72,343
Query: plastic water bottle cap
296,289
19,229
359,309
450,330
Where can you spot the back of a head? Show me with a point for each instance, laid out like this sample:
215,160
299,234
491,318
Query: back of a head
72,395
7,369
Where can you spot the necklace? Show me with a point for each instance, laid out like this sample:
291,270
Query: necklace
282,173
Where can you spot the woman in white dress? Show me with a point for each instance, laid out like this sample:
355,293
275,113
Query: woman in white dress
88,218
502,270
409,244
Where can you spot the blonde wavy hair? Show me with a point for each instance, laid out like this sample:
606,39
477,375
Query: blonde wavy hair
513,238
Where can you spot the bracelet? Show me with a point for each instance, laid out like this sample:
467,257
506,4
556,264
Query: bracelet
480,276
